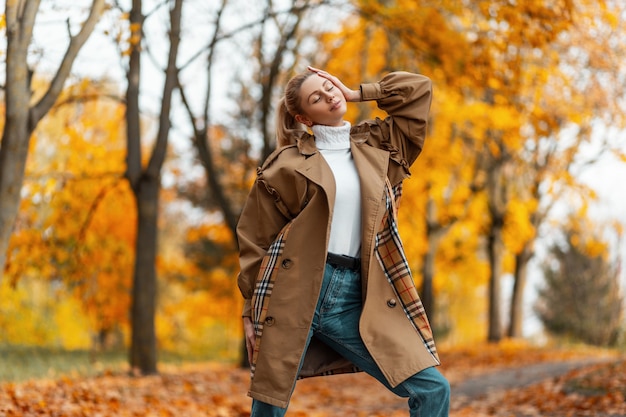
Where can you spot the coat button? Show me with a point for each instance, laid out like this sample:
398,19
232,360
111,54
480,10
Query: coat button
287,263
391,303
269,321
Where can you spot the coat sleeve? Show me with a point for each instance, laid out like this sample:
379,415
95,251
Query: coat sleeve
406,98
259,223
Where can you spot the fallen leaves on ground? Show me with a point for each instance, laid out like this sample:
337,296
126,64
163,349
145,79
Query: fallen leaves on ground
214,390
205,390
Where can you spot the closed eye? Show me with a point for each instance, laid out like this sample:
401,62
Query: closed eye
316,96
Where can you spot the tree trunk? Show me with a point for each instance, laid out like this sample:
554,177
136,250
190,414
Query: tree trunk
495,248
434,232
143,344
15,137
143,356
133,175
427,293
497,188
516,314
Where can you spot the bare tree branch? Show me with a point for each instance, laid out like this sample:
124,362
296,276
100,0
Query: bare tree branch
76,42
133,126
171,81
243,28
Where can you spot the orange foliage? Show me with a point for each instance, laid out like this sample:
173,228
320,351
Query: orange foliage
76,221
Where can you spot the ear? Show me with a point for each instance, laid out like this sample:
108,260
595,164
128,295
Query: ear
304,120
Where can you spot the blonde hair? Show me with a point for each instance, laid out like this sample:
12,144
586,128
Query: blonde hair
288,107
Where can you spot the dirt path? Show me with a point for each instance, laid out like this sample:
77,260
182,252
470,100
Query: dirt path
504,379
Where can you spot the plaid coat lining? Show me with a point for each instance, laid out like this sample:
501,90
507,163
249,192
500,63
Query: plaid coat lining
390,254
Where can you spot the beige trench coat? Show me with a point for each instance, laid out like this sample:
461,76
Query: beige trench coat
296,187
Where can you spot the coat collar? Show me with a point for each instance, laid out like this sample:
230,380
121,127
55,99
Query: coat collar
315,168
305,141
371,163
306,144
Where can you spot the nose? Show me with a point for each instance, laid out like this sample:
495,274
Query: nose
329,96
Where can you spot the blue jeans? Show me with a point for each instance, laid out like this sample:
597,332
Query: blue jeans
336,323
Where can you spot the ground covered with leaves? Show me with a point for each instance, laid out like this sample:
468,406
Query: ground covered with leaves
213,390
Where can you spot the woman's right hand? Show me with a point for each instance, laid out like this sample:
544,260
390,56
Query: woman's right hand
248,329
348,93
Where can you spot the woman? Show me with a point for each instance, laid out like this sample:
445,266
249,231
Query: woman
326,285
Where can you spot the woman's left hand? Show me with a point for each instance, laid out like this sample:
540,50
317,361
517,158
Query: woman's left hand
248,328
349,94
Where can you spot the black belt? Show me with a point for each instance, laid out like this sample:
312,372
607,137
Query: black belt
343,261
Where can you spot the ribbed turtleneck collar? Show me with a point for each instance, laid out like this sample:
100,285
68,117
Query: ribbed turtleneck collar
332,137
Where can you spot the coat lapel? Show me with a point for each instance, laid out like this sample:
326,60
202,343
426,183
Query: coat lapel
371,163
315,168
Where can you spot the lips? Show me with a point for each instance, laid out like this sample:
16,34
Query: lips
335,106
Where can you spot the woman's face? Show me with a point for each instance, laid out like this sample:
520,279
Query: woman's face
322,102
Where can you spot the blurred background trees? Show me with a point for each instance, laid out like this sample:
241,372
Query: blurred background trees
581,297
24,105
136,176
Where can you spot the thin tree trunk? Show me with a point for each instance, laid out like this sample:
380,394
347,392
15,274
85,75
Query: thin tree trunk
427,293
516,313
495,249
497,194
433,232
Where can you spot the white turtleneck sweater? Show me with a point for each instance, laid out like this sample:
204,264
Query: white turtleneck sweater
345,229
